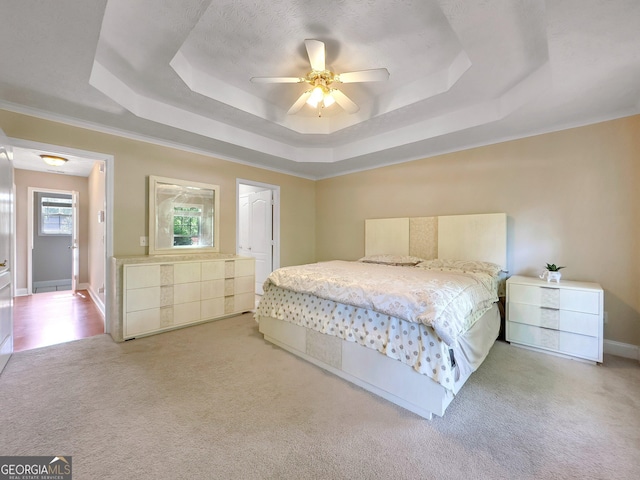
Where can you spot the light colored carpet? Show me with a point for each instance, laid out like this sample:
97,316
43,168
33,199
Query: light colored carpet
217,401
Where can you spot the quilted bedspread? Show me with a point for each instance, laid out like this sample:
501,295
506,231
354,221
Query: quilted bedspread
443,300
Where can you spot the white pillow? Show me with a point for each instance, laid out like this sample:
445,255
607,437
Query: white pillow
386,259
462,265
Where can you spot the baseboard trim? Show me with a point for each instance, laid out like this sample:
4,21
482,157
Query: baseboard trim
96,298
620,349
21,292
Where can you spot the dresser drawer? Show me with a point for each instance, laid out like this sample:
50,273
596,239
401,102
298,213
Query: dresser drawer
564,342
142,299
141,276
586,301
244,267
556,319
244,302
186,313
212,289
186,292
212,270
186,272
171,294
141,322
244,284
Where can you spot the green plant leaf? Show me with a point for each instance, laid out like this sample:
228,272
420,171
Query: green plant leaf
552,267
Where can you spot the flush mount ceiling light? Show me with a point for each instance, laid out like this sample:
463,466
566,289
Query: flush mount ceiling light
322,93
54,160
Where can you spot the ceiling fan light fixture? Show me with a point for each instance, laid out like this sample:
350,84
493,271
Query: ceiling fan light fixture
321,94
317,94
54,160
328,100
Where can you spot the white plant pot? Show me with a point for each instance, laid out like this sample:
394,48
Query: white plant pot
551,276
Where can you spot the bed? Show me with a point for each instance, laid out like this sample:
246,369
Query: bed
410,321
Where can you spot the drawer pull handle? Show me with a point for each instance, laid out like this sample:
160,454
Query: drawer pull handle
549,328
550,308
550,288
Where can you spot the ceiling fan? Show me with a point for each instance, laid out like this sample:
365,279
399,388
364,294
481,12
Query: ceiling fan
323,92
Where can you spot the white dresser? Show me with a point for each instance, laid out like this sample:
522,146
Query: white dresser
565,318
163,293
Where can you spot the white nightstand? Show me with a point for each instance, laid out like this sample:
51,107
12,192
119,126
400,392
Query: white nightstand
565,318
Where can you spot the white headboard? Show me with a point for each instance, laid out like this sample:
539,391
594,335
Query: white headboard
456,237
387,235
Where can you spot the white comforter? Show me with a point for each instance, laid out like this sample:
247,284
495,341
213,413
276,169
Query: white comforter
441,300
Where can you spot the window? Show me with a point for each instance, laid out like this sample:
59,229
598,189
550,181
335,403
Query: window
56,216
187,223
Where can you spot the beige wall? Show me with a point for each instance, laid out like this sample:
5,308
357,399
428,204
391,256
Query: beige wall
136,160
297,198
571,198
25,179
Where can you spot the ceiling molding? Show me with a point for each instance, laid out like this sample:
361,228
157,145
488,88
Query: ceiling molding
461,74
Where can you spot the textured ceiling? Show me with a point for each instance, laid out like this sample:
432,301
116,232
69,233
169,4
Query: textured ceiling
462,73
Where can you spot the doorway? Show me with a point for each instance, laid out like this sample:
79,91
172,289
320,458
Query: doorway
258,227
52,261
64,306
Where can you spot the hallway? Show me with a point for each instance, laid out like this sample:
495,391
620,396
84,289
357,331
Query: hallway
54,317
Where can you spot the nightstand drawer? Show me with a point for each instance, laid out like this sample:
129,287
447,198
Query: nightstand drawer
556,319
585,301
569,343
565,317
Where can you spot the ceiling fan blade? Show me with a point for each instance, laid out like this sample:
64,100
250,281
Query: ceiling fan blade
344,101
374,75
277,79
302,99
315,50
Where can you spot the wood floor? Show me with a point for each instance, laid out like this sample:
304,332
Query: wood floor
54,317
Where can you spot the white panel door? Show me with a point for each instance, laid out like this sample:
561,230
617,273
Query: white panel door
244,241
260,231
6,252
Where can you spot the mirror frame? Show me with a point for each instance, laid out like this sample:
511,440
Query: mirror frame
153,217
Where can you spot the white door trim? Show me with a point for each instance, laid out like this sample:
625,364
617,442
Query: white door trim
275,189
75,251
109,162
8,257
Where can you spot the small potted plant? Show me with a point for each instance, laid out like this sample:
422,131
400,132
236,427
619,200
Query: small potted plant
552,273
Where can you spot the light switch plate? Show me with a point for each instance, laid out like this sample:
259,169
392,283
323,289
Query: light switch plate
144,241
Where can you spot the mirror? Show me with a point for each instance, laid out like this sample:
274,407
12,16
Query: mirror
183,216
